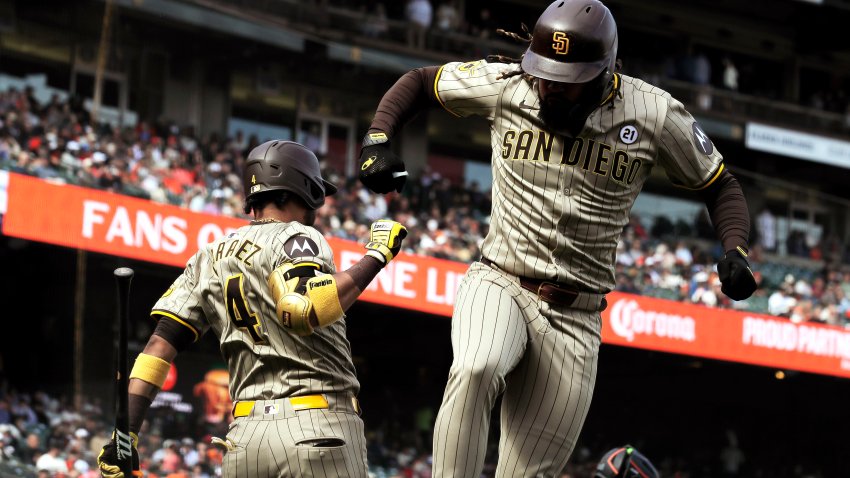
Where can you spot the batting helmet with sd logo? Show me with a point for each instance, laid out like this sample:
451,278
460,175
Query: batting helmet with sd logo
288,166
574,41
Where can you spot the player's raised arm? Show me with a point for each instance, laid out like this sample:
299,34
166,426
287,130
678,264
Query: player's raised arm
306,299
461,88
380,169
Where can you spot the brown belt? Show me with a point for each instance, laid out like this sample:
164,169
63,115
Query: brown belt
550,292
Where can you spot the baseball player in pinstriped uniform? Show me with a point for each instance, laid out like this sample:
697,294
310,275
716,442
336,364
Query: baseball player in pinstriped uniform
573,143
271,294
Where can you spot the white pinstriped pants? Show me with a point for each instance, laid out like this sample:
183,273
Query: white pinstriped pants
268,446
542,357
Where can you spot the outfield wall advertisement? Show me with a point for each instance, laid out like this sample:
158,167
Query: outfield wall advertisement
128,227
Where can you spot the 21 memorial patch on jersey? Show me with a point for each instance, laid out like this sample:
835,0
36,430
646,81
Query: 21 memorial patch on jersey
301,246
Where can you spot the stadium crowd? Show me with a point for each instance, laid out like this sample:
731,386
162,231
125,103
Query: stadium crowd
164,163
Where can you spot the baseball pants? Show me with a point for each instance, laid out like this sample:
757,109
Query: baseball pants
277,441
541,356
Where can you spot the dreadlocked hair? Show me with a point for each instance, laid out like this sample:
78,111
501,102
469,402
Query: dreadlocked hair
524,38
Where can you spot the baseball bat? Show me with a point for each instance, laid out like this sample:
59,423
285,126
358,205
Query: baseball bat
123,442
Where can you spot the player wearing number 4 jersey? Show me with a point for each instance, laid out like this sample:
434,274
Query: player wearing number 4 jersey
573,143
271,295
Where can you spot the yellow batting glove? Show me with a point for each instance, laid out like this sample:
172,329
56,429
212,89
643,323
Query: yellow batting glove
385,238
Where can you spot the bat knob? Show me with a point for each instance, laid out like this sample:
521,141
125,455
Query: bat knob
124,272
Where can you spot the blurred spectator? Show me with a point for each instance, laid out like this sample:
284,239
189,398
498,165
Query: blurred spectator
730,75
375,23
731,457
419,14
766,229
51,461
782,301
447,23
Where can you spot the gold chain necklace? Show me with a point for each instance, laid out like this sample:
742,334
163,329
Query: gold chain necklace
265,221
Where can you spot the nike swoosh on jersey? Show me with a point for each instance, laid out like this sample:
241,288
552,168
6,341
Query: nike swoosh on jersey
527,107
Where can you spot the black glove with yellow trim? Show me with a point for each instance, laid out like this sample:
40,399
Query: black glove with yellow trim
735,275
380,169
107,460
385,240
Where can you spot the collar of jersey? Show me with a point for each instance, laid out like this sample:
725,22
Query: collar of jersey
615,90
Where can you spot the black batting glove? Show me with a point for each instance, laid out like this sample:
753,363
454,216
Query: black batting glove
380,169
735,274
107,460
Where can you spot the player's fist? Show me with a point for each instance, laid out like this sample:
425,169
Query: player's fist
108,461
380,169
385,238
735,275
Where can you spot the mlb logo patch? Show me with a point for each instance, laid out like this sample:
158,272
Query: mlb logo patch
270,410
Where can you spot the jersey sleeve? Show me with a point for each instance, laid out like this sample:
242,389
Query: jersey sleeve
182,302
685,152
304,244
471,88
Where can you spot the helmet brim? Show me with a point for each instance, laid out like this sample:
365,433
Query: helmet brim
548,69
330,188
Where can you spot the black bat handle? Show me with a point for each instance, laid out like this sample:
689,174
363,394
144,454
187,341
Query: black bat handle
123,444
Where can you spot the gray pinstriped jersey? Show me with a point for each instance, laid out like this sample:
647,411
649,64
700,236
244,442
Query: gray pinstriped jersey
560,204
224,288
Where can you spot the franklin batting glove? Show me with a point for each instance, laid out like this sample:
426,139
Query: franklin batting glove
380,169
735,274
385,240
107,460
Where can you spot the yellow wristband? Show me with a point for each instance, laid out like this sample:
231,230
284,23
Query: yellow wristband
323,293
151,369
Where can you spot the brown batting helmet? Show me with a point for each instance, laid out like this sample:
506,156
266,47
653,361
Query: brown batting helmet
288,166
574,41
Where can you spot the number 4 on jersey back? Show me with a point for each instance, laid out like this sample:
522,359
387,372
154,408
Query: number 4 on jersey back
238,311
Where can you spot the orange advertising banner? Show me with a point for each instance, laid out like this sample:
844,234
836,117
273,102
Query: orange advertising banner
123,226
675,327
110,223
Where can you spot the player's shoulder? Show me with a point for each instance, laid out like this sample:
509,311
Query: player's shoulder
296,240
475,68
632,85
286,230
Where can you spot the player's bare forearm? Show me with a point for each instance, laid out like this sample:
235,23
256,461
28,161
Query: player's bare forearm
141,392
411,94
352,282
